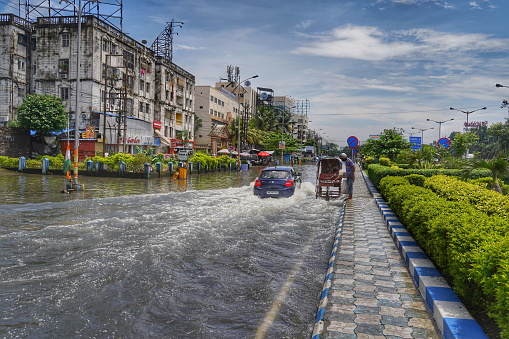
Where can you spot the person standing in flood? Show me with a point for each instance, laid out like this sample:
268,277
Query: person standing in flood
350,172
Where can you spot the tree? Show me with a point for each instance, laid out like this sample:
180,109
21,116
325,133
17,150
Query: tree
501,132
498,167
461,141
42,113
272,139
390,144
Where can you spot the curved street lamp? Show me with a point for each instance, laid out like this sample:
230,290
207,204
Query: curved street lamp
467,112
439,125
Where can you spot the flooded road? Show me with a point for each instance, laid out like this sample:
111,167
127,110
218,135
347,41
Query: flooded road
161,259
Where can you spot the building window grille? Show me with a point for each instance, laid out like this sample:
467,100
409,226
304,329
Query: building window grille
64,93
63,66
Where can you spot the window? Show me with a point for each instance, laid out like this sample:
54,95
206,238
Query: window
23,39
147,108
21,65
64,93
211,98
167,95
142,106
129,60
105,45
65,39
211,111
130,81
63,66
142,86
148,87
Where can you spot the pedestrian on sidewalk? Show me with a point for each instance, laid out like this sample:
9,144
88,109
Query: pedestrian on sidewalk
350,172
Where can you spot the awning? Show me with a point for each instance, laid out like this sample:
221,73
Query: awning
164,140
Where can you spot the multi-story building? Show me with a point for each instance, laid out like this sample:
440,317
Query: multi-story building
15,66
130,100
298,119
217,107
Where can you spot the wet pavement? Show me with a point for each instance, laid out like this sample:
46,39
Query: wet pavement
368,291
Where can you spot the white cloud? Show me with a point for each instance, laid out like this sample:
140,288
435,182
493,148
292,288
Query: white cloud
372,44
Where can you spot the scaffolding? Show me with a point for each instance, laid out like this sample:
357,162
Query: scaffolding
111,12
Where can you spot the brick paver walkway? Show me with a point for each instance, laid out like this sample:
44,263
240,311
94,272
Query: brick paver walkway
372,294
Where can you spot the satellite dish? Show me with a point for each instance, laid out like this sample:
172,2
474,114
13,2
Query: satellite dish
247,83
144,41
264,95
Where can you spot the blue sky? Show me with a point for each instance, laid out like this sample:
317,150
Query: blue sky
364,65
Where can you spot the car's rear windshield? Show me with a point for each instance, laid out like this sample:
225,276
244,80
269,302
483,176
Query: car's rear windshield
274,175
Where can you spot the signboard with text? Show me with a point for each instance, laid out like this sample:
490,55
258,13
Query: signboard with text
415,143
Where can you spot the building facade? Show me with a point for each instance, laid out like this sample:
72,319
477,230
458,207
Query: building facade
131,98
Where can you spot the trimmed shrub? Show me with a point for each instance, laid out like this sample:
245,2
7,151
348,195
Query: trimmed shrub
376,172
415,179
384,161
484,200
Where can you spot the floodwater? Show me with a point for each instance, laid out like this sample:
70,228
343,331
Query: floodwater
160,258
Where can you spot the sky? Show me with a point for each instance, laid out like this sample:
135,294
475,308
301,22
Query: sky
364,65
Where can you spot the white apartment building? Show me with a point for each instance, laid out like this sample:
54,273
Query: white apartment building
130,97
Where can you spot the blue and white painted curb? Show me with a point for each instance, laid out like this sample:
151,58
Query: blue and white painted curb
451,316
319,322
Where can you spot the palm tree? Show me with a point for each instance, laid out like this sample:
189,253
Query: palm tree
498,167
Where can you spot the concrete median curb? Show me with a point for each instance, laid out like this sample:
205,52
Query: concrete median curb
451,316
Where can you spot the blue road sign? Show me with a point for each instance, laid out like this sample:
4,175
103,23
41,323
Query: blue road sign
352,142
416,143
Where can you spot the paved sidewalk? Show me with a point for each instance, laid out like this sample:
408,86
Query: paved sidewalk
370,293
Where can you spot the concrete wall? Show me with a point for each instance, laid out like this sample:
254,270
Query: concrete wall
15,142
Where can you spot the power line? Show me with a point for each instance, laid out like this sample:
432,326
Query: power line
8,5
376,113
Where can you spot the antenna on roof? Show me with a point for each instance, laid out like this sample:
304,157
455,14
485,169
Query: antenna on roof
163,45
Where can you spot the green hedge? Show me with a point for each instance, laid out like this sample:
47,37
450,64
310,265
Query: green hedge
376,172
487,201
468,245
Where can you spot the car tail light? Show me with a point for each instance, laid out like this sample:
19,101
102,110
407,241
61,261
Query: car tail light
289,182
258,182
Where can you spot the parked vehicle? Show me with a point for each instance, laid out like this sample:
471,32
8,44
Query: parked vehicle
329,174
276,182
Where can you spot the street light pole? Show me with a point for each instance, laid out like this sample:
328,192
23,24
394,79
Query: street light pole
439,125
79,10
422,132
238,112
467,112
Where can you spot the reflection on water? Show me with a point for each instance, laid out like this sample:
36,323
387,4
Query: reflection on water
160,258
18,188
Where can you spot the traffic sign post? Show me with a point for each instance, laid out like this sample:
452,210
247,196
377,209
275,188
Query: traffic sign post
352,142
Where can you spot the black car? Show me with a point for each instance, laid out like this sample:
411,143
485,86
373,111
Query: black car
277,181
